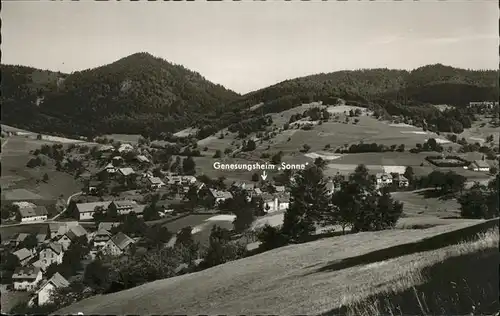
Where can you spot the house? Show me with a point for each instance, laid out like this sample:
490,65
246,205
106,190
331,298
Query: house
126,207
110,168
104,148
100,239
188,179
24,255
30,214
147,174
26,278
142,159
125,172
174,180
19,238
330,187
64,240
51,253
87,210
125,148
155,183
279,188
383,179
257,191
220,196
400,180
59,229
117,245
107,226
72,233
93,187
275,202
43,294
479,165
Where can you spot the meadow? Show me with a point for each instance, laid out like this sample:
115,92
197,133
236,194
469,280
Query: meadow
312,278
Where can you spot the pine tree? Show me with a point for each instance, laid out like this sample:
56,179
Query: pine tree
308,203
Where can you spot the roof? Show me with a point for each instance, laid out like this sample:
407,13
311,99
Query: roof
106,148
90,207
381,175
24,204
279,188
109,166
121,240
58,280
221,194
26,273
23,254
56,247
400,177
142,158
481,163
30,211
76,231
21,237
155,180
126,171
102,232
268,197
257,191
41,237
125,204
107,226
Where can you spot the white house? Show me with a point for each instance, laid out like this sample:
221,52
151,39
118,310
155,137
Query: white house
479,165
110,168
87,210
275,202
401,181
117,244
101,238
26,278
383,179
51,253
125,172
30,214
43,294
142,159
220,196
127,206
24,255
155,183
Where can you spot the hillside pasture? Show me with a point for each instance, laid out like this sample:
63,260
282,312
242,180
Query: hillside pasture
187,132
124,138
310,278
479,133
23,182
417,204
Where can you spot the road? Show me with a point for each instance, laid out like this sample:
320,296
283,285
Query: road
5,142
67,203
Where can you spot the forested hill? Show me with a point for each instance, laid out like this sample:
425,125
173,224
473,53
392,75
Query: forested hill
433,84
136,94
147,95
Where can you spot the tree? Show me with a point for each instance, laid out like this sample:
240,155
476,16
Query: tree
131,226
255,177
480,201
45,178
308,203
493,170
151,213
9,210
185,240
157,236
409,174
220,249
97,276
72,211
271,238
320,163
30,242
244,210
401,148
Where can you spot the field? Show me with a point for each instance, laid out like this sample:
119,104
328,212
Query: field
124,138
11,298
418,204
478,133
312,278
20,182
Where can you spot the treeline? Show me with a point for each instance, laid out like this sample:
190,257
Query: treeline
371,148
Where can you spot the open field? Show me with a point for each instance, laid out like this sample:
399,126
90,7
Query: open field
310,278
124,138
417,204
186,132
454,280
478,133
11,298
19,182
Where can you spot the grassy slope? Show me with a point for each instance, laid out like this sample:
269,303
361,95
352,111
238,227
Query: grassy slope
286,280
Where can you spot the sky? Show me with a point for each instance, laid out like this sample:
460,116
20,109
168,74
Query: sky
245,45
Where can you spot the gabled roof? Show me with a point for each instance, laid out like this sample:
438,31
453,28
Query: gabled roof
481,163
125,204
109,166
90,207
142,158
56,247
21,237
400,177
382,175
279,188
23,254
31,212
76,231
126,171
57,280
221,194
155,180
26,273
121,240
102,232
41,237
257,191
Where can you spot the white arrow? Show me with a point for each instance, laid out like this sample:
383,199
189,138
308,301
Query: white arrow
264,175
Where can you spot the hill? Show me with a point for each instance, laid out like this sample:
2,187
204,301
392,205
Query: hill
312,278
138,94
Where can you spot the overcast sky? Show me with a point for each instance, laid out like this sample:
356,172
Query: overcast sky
250,45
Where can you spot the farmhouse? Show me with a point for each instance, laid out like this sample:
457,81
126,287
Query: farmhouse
142,159
94,186
101,238
107,226
125,172
72,233
41,238
30,214
104,148
126,207
383,180
155,183
117,245
87,210
43,294
26,278
275,202
479,165
19,238
400,180
110,168
24,255
52,253
220,196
